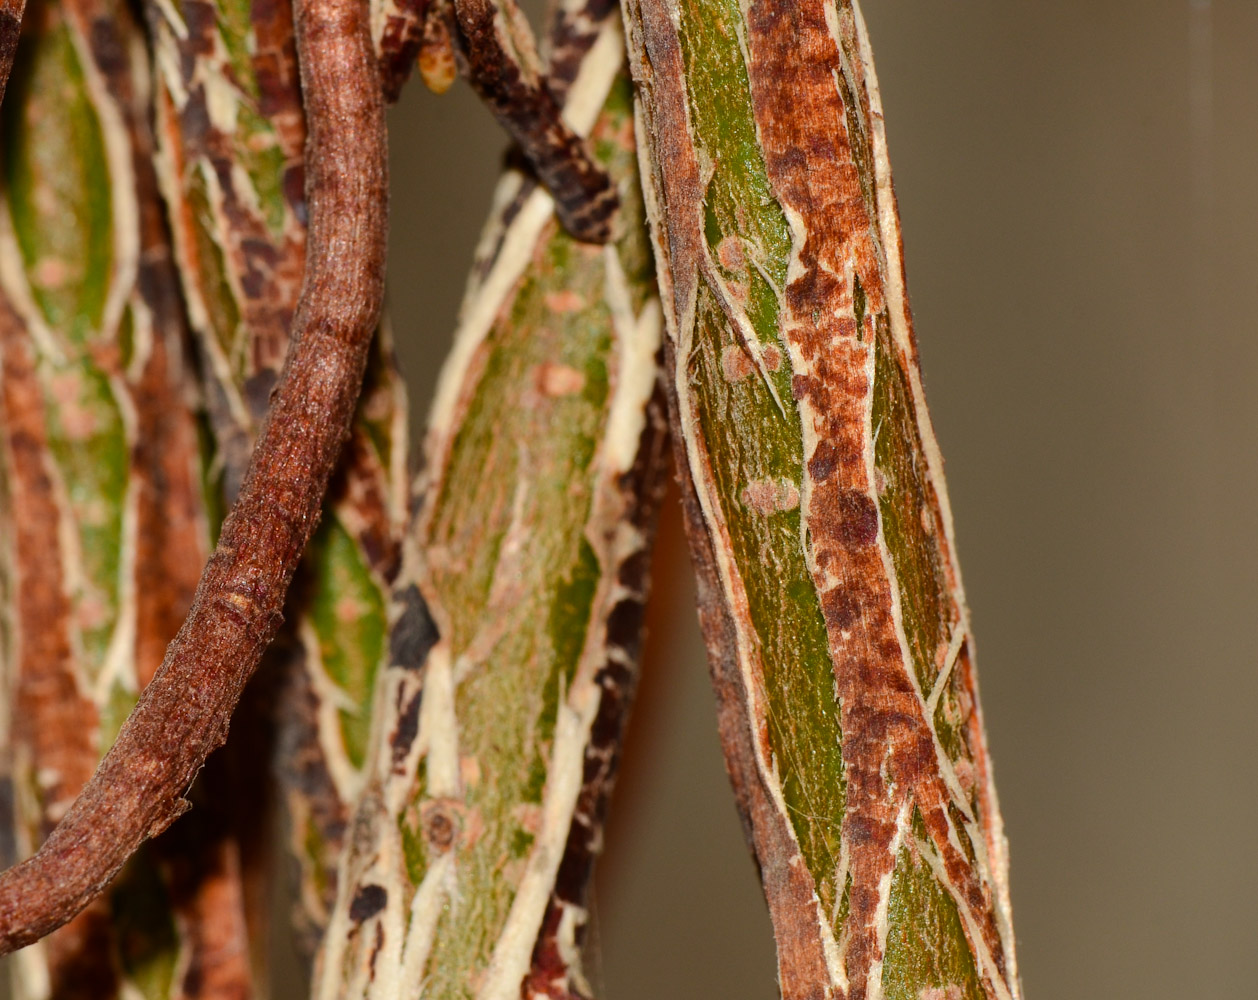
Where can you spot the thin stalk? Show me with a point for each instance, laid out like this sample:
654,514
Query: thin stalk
829,590
515,646
104,494
183,713
233,182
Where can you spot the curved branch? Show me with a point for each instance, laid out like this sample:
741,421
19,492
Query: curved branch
10,28
184,712
503,68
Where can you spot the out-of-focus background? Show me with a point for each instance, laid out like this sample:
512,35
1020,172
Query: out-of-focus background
1079,188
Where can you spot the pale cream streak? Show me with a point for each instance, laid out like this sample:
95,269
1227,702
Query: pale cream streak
741,323
173,19
634,382
735,590
571,920
637,341
47,342
172,190
941,679
119,661
586,97
479,316
117,142
388,977
599,69
983,958
485,255
222,97
680,322
333,979
166,58
332,701
439,883
30,979
329,971
399,971
656,228
379,11
903,820
397,789
399,494
439,724
514,948
997,852
243,186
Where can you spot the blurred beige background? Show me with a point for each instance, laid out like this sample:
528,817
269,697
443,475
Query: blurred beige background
1079,187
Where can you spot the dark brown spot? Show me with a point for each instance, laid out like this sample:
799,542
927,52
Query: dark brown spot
823,461
848,517
407,729
414,634
367,902
814,290
840,609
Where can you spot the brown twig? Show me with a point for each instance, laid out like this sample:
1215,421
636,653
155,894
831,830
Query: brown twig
503,68
10,28
184,713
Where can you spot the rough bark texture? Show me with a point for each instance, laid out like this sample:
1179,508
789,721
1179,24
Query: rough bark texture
183,713
103,494
515,647
503,66
232,126
830,595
